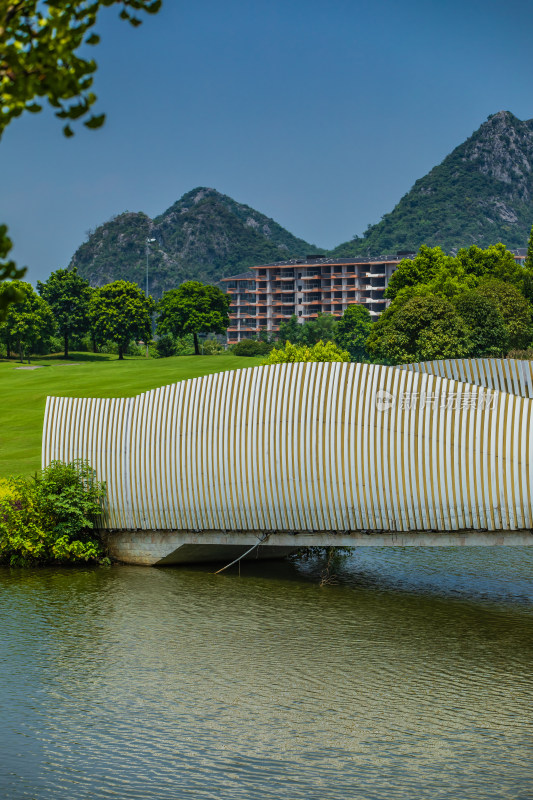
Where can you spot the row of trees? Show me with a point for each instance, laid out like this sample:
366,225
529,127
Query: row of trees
475,304
119,312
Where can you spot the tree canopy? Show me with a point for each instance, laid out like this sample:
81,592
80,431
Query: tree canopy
194,308
529,258
27,321
40,62
423,329
353,329
488,333
514,309
432,271
39,59
68,295
8,272
120,312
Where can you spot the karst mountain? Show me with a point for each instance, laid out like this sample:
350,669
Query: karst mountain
481,193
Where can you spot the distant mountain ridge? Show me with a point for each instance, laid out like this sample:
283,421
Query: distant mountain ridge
205,235
482,193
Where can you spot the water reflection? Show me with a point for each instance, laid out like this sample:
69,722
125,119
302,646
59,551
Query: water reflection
411,678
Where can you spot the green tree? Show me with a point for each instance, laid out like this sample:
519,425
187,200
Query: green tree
290,330
8,272
529,257
321,351
321,329
514,308
39,60
28,321
68,295
419,270
448,276
423,329
194,308
495,262
353,329
487,327
120,312
527,290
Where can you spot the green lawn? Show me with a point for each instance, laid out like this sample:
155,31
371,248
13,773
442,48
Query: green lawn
23,392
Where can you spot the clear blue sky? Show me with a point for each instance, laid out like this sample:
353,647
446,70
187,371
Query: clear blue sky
320,114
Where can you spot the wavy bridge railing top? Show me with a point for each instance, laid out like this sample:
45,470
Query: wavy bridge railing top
504,374
306,447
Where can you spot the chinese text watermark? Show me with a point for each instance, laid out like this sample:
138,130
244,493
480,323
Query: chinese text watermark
481,400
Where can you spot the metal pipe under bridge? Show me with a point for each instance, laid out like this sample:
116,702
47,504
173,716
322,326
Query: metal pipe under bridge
308,454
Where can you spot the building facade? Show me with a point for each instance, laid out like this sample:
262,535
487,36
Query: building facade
270,293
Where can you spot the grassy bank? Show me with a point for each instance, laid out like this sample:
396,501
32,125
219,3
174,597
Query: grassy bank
23,392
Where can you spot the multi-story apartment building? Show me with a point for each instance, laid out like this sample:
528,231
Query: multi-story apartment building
306,287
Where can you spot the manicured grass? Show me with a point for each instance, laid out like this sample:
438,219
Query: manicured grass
23,392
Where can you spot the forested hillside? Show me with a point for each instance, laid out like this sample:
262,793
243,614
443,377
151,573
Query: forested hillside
204,235
482,193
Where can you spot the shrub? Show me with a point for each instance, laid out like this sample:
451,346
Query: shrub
521,355
184,345
165,347
132,349
321,351
250,347
211,347
50,518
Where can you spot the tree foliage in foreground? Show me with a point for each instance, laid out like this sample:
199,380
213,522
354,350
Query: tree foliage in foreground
68,295
39,44
193,308
40,62
120,312
50,518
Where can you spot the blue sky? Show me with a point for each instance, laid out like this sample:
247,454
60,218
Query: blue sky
319,114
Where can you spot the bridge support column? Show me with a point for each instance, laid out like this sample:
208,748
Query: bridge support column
185,547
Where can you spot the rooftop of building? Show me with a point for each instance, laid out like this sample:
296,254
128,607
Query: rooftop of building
242,276
313,260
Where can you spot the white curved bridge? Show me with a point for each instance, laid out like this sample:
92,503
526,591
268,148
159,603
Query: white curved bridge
310,454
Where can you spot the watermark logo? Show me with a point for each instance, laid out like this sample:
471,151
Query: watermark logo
384,400
481,400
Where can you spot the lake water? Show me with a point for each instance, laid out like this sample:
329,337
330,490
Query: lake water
410,678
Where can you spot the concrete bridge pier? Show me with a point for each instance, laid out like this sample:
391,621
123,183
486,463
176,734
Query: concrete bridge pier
162,548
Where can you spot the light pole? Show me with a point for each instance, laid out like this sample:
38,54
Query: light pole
148,243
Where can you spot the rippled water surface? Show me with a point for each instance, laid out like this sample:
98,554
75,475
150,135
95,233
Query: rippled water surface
411,678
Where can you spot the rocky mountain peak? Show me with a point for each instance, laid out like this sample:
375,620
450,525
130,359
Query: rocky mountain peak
481,193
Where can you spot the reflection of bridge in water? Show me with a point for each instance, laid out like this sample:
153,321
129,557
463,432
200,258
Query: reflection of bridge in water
310,454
